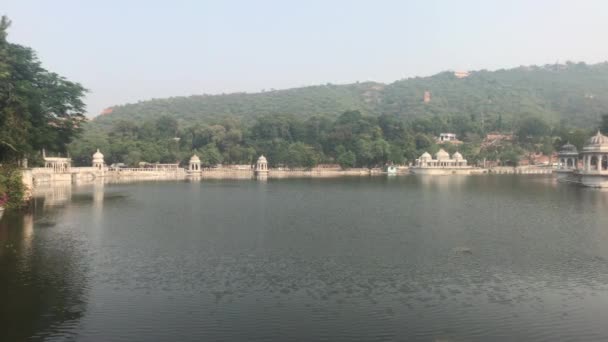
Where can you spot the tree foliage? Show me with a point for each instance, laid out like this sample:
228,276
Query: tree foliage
38,108
351,139
12,188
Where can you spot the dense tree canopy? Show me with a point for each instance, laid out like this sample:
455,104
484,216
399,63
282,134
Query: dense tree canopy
38,108
352,139
573,93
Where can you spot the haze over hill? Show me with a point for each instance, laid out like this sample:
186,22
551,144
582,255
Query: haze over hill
572,93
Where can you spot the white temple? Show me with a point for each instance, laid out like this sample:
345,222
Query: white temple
443,163
194,166
98,161
442,159
261,168
594,156
261,165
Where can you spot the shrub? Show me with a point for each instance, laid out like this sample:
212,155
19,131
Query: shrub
12,189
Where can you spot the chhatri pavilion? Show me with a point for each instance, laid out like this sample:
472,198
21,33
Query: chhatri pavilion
568,157
593,171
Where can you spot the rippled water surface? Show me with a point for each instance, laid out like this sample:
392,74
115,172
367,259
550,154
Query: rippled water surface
485,258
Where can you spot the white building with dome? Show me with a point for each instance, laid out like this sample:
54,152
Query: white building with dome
98,161
194,165
443,163
568,161
594,169
261,167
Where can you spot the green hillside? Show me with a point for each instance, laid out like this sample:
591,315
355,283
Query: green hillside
573,94
305,102
570,93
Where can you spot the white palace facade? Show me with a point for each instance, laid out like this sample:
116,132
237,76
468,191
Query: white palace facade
443,163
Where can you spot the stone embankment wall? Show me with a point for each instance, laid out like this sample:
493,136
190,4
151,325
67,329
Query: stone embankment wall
523,170
143,174
47,175
223,174
83,174
321,173
28,182
230,173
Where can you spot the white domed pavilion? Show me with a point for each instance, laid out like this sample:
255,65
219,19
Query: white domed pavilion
442,162
261,165
426,156
595,153
261,168
594,156
442,155
568,157
98,161
195,164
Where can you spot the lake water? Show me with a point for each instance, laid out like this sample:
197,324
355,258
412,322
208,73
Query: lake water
479,258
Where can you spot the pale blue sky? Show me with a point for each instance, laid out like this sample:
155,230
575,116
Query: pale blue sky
125,51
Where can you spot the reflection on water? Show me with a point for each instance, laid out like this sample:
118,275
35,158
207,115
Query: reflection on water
42,278
401,258
53,195
442,181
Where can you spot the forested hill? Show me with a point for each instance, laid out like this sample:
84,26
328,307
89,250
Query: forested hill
304,102
572,93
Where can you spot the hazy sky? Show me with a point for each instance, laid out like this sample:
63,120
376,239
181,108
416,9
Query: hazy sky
125,51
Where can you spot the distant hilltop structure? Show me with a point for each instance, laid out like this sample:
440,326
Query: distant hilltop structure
461,74
427,96
448,138
107,111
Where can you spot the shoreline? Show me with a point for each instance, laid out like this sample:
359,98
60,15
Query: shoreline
60,187
42,178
